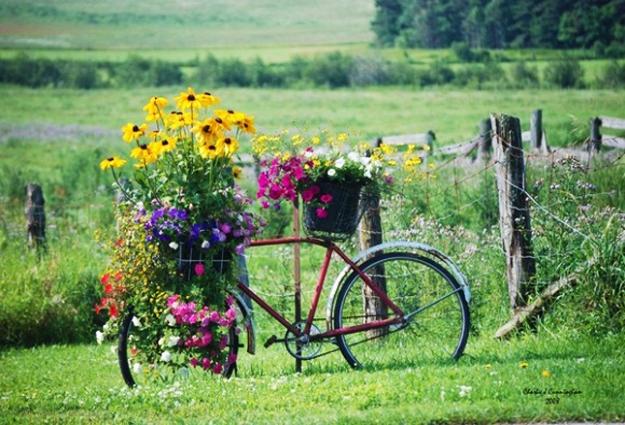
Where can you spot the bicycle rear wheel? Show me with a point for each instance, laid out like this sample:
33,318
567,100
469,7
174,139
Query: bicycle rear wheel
436,324
135,373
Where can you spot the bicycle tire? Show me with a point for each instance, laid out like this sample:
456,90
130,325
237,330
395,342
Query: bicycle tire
412,282
123,351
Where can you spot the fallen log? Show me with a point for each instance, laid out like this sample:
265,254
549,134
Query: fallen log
523,314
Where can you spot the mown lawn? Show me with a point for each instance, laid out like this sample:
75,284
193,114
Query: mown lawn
566,378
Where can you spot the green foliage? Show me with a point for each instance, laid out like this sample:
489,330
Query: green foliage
612,75
523,75
499,23
566,74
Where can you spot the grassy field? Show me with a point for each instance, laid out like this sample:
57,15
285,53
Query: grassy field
363,113
192,23
566,379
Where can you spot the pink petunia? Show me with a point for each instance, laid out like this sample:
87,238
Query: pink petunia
199,269
321,213
308,194
326,198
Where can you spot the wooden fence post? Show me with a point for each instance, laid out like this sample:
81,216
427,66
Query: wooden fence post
536,131
595,134
485,146
514,216
370,234
35,216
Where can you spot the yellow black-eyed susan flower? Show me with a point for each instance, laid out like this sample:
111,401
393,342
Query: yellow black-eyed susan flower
237,172
167,145
208,99
144,154
188,100
247,124
230,145
112,162
132,131
230,116
154,108
211,150
208,130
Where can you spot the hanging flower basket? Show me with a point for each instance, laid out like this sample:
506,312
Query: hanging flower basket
192,260
337,218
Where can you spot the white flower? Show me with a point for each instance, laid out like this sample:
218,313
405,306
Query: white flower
464,390
308,154
173,245
206,244
171,320
331,172
136,368
339,163
173,341
161,341
353,156
135,322
364,160
99,336
165,356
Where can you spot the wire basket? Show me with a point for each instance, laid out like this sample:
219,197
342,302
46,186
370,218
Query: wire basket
343,212
191,254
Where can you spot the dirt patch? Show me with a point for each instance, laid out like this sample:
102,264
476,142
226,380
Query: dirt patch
49,132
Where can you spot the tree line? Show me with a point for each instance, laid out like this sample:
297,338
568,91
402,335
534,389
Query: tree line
599,24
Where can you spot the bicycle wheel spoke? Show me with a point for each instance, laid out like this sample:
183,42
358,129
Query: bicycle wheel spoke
437,318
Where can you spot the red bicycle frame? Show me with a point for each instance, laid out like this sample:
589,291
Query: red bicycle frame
330,249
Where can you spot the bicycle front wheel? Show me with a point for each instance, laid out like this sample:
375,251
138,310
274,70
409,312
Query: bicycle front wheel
436,315
136,373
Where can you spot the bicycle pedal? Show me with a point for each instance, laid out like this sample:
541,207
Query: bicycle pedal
272,340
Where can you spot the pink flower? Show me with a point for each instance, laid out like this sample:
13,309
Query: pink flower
218,368
206,363
321,212
223,342
326,198
308,194
199,269
193,362
226,228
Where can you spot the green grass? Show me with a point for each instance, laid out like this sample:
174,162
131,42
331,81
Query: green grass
161,25
366,113
81,383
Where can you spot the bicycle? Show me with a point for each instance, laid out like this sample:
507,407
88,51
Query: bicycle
389,304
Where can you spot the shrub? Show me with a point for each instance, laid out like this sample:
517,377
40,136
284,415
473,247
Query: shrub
233,72
612,75
523,75
566,73
438,74
369,71
330,70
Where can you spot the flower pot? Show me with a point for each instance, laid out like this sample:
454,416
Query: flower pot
341,215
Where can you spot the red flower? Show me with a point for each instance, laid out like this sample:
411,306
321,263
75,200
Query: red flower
321,212
118,276
108,288
119,243
326,198
113,310
105,278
